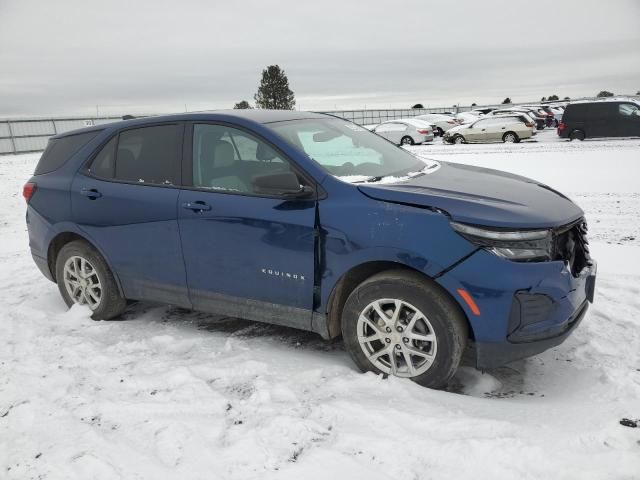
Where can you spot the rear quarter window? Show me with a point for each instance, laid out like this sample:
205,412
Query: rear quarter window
59,150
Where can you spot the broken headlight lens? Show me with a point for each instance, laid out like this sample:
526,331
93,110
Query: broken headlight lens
516,245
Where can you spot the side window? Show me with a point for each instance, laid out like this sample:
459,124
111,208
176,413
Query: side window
149,155
628,109
59,150
227,159
391,127
104,164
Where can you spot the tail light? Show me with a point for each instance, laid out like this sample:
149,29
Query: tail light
561,126
451,122
28,190
423,131
530,124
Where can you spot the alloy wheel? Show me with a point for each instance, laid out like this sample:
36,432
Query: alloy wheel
397,338
82,282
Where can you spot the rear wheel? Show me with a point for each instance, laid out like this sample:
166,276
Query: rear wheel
84,278
576,135
406,140
397,323
510,137
458,139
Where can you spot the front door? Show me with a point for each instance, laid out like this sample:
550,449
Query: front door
126,202
246,255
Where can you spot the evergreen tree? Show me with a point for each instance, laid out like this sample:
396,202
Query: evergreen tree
274,92
605,93
506,100
417,105
553,97
243,105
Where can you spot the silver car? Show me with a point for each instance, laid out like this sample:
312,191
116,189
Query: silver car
503,128
405,131
441,121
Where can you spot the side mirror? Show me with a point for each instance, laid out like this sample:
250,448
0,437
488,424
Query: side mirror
281,184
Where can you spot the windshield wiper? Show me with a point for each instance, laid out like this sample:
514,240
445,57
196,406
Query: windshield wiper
371,179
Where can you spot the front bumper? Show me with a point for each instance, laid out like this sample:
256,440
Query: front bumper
524,308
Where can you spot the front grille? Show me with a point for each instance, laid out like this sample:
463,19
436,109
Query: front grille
570,244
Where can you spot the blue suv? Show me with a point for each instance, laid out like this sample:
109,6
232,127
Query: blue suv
313,222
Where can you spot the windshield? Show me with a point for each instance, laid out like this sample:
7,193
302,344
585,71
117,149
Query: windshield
351,152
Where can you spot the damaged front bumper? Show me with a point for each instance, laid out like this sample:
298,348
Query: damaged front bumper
522,308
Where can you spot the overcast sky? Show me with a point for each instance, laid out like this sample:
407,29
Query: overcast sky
67,56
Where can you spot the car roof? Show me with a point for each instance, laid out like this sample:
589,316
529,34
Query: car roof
256,115
607,99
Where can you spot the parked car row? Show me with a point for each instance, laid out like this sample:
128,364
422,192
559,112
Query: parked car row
510,124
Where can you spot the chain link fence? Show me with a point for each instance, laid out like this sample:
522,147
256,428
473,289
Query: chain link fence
32,134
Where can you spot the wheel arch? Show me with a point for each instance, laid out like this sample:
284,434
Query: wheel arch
361,272
63,238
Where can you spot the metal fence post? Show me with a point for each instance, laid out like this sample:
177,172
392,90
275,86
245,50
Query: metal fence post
13,140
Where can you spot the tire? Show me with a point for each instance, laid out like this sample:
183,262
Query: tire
440,132
510,137
98,280
437,360
577,135
458,139
406,140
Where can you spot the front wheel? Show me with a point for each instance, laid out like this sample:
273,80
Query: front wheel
458,139
84,278
407,140
398,323
510,137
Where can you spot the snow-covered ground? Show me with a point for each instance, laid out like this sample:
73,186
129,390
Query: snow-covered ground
175,394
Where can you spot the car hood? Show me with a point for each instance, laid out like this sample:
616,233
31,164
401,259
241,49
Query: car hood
481,196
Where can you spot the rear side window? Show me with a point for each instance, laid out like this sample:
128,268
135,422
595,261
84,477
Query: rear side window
149,155
104,164
59,150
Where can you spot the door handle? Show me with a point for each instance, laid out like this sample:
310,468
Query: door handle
197,206
92,193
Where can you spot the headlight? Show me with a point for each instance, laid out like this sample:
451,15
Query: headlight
520,246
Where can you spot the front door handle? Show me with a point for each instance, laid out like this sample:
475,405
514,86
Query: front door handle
92,193
197,206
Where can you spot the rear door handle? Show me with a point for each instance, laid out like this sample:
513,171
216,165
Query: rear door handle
92,193
197,206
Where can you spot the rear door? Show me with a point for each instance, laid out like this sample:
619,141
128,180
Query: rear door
246,255
126,201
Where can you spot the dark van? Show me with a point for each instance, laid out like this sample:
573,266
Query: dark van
608,118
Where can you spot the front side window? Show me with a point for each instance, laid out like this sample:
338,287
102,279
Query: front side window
149,155
628,109
227,159
347,150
